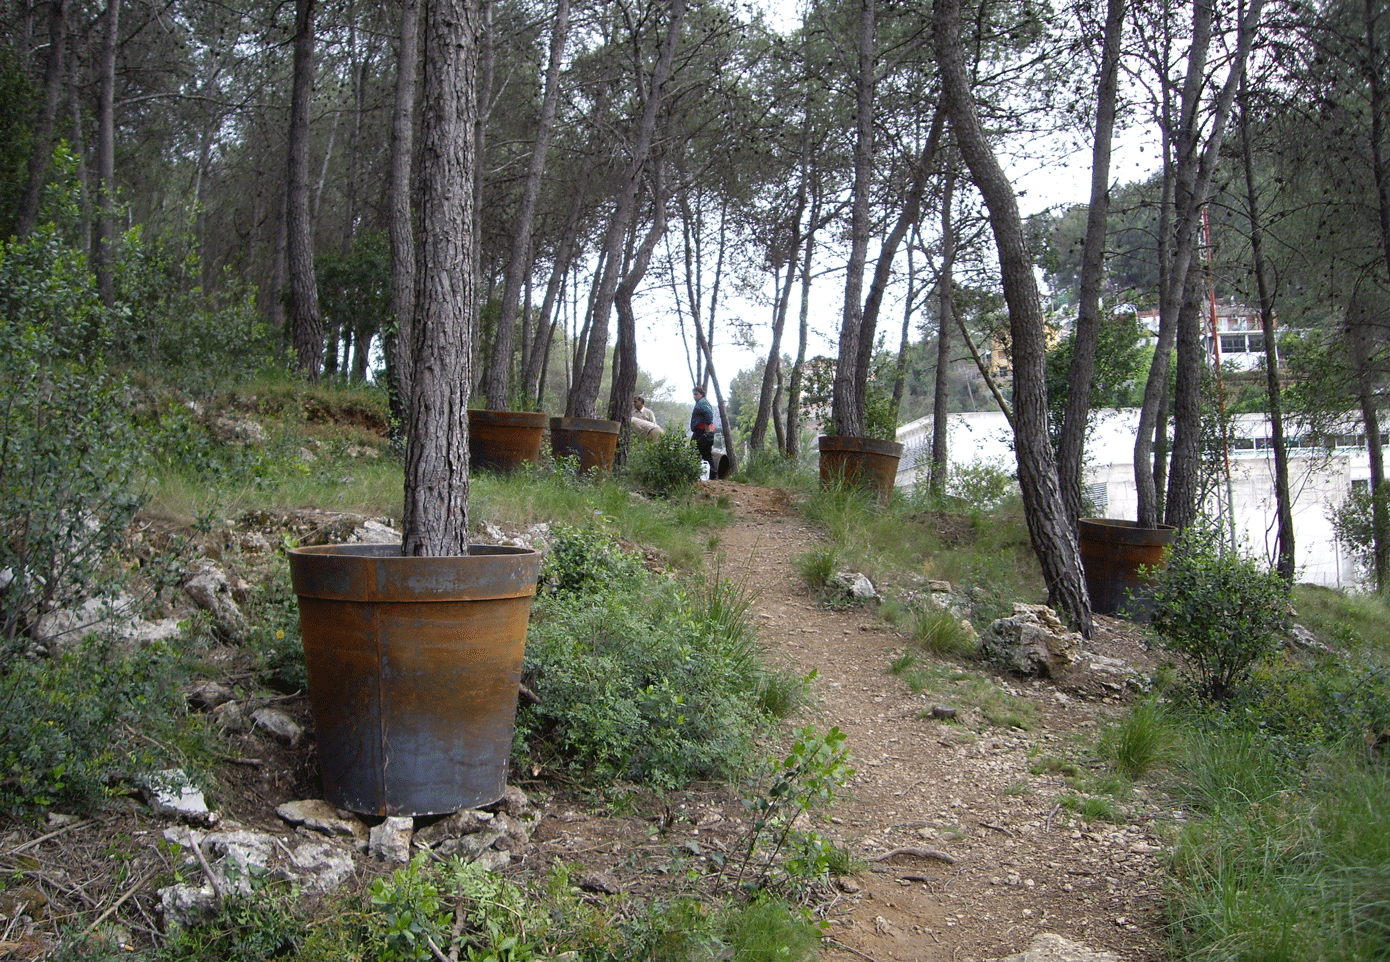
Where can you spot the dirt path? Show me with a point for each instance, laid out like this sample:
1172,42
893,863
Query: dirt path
1022,865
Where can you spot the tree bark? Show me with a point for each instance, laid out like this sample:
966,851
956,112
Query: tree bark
883,269
400,221
498,376
436,479
1053,540
103,246
306,323
1071,443
624,384
1282,500
848,407
799,366
946,320
772,369
1180,506
41,154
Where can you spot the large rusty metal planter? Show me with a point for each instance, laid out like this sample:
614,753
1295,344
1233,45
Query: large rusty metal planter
864,461
1112,552
592,440
414,665
504,440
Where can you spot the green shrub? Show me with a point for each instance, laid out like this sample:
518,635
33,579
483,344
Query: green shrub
984,486
668,465
68,724
640,677
1144,739
196,340
69,464
1221,612
817,566
584,559
937,631
776,847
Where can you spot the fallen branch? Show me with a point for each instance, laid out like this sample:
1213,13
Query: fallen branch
849,948
53,834
919,852
123,899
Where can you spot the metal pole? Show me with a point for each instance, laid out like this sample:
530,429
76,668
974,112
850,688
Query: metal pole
1220,383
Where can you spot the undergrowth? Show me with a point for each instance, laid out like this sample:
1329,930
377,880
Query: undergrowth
440,910
642,678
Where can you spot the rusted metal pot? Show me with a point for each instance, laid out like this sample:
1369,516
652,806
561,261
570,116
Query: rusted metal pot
1112,552
863,461
504,440
593,441
414,665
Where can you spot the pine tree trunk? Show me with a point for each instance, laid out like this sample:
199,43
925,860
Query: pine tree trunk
1072,440
306,324
436,479
401,227
1053,539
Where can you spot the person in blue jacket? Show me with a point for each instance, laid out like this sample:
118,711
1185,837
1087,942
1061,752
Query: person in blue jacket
702,429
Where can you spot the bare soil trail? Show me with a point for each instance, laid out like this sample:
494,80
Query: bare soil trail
1020,864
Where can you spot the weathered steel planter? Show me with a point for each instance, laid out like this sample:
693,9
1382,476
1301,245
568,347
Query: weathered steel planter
504,440
1112,552
592,440
413,665
865,461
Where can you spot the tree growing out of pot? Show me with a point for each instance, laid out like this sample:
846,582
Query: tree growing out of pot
414,651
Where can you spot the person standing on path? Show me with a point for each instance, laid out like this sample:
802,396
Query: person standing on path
702,429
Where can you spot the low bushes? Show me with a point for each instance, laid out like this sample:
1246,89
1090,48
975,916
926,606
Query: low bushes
640,677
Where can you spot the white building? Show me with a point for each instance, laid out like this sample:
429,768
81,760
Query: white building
1320,478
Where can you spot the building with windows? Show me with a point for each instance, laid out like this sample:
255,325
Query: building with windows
1238,340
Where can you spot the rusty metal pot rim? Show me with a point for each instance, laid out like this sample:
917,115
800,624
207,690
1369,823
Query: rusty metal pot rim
847,442
600,425
373,573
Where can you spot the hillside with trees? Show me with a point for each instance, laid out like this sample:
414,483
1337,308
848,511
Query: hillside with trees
261,260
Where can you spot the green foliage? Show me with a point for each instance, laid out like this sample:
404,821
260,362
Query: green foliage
251,927
1222,613
69,464
805,780
765,930
817,566
984,486
880,417
408,913
1307,706
668,465
770,468
68,724
1119,366
272,610
165,322
355,288
1146,738
585,559
937,631
18,100
639,677
1297,875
